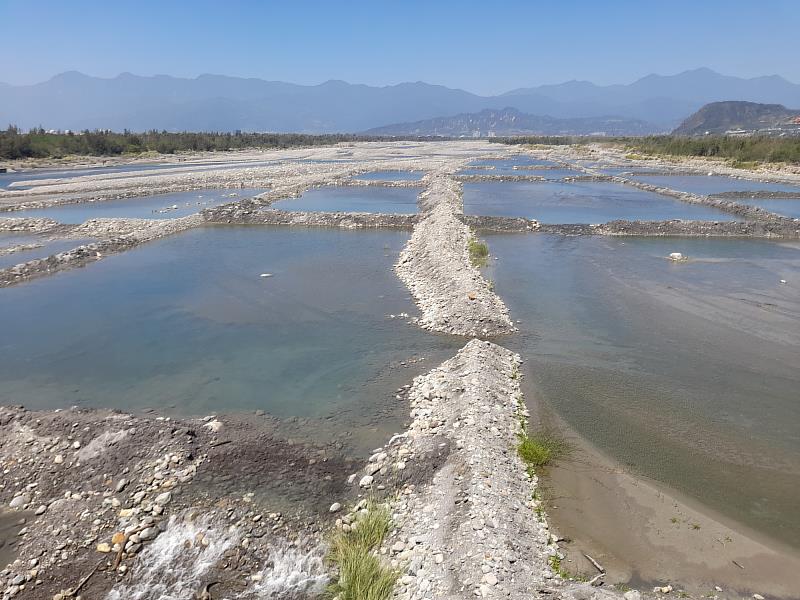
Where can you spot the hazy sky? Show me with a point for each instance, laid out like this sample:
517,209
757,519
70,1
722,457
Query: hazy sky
485,47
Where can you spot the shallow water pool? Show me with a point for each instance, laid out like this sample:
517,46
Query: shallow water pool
160,206
684,372
47,247
714,184
579,202
391,176
187,324
788,207
371,199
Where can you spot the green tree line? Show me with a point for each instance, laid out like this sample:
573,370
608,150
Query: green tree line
37,143
737,148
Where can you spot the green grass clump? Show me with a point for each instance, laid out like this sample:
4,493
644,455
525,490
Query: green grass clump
540,449
362,575
478,252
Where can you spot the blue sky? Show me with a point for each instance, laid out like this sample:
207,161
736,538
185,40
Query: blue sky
485,47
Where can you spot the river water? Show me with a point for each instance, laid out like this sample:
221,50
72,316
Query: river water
188,325
579,202
371,199
688,373
159,206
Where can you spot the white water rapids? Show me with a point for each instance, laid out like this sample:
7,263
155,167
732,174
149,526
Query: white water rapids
176,566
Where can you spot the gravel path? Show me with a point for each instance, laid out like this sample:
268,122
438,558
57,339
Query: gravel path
463,503
451,293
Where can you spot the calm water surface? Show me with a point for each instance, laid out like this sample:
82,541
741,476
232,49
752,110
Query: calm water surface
687,372
64,175
714,184
370,199
579,202
788,207
188,324
391,176
48,248
506,166
160,206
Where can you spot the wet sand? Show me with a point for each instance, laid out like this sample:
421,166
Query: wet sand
645,534
11,522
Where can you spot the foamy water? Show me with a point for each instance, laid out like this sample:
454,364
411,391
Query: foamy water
174,566
291,574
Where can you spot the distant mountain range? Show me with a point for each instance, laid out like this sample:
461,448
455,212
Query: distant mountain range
214,102
722,117
510,121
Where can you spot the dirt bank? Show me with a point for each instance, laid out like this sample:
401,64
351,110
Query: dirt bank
98,488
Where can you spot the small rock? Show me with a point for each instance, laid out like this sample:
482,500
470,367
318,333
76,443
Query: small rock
148,533
335,507
214,426
103,547
366,481
19,501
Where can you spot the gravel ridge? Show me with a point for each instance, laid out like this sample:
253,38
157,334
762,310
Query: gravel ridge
435,265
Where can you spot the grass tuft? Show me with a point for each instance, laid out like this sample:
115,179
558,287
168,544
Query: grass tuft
478,252
362,575
541,448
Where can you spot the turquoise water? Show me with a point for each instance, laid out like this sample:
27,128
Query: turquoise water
160,206
187,324
371,199
714,184
685,372
579,202
391,176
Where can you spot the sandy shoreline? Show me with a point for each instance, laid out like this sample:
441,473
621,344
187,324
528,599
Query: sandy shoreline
646,534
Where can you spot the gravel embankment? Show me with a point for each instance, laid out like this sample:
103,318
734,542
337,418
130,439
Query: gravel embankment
451,293
464,507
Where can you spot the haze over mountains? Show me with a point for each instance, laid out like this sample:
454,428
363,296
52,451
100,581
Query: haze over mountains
510,122
213,102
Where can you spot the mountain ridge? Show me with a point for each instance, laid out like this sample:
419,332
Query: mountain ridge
726,116
73,100
510,122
